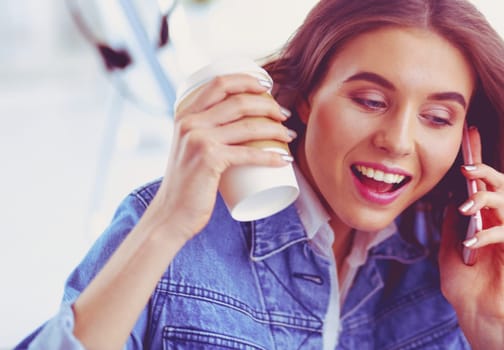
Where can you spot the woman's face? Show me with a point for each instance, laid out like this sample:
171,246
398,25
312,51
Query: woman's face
385,124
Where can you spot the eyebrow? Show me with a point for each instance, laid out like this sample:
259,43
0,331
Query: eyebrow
378,79
449,96
372,78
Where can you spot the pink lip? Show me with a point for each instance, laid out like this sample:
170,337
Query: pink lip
376,197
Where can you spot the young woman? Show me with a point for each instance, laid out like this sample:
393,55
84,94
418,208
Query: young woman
369,257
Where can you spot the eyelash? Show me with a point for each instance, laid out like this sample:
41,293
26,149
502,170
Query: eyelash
437,121
369,104
377,105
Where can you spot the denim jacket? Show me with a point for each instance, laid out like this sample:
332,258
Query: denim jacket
260,285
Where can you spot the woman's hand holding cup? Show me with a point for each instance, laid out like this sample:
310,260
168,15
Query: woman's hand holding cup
212,127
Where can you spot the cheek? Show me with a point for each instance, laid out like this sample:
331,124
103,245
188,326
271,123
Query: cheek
332,127
438,159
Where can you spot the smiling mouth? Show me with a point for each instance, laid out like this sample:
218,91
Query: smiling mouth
378,180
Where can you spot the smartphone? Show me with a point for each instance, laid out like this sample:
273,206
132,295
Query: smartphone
475,221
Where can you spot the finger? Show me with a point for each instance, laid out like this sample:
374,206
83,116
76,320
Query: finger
231,109
253,129
491,177
242,105
200,150
486,237
244,155
482,199
218,89
475,144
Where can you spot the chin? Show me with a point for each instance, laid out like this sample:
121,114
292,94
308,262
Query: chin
369,222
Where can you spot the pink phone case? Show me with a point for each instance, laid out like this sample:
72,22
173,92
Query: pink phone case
475,221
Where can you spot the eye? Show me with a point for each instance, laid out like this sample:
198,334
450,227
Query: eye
371,102
438,118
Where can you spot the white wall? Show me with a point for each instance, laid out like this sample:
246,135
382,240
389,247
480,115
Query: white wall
494,12
58,186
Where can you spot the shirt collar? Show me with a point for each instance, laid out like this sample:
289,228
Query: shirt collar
311,212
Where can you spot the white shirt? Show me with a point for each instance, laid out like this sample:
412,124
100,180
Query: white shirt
315,220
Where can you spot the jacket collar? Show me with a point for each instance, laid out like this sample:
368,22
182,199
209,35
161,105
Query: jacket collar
274,234
396,248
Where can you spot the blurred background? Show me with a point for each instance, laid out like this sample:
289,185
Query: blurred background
73,143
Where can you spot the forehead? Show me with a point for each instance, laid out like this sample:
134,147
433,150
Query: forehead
410,58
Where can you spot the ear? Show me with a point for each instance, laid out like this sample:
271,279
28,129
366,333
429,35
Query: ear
303,108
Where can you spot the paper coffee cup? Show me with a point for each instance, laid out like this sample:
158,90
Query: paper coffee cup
250,192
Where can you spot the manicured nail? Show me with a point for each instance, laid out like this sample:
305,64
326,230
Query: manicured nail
288,158
266,83
470,242
466,206
292,134
469,167
285,112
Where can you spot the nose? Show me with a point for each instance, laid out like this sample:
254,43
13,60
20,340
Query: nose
396,135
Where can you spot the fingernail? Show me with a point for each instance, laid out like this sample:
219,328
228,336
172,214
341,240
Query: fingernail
292,134
466,206
470,242
469,167
288,158
285,112
266,83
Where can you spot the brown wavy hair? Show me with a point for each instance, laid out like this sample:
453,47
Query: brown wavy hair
299,68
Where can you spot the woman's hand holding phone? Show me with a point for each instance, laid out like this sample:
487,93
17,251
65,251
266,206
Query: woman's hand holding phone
475,287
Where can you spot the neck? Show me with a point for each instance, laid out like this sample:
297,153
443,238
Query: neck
342,246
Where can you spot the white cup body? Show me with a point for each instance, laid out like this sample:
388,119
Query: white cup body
250,192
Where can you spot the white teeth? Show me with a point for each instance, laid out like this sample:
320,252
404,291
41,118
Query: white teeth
389,178
379,175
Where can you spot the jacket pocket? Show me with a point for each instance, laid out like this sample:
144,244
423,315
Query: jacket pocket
178,338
